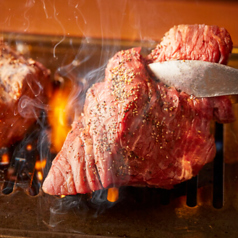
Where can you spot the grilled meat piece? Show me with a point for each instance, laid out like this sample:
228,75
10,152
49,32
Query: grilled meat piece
141,132
194,42
24,88
74,170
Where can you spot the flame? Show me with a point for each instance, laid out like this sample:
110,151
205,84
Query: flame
5,159
40,164
40,175
58,117
62,196
29,147
112,194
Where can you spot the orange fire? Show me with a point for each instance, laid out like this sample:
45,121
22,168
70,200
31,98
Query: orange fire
5,159
40,164
112,194
29,147
40,175
58,118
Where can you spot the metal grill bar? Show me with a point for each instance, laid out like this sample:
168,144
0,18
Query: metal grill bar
192,186
218,171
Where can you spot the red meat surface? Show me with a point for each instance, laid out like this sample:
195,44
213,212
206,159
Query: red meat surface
137,131
194,42
25,88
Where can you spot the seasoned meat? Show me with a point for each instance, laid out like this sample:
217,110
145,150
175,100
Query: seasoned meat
24,88
194,42
141,132
73,170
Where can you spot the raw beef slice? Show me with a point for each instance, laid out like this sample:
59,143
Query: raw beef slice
137,131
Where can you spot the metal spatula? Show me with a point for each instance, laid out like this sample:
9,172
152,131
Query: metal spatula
198,78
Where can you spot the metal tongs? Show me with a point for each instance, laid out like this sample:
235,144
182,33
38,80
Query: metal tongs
198,78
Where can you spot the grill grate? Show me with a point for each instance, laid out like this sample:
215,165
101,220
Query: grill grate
20,176
192,186
218,172
20,168
21,173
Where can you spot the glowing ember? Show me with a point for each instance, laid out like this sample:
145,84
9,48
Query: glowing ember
112,194
58,118
40,175
40,164
29,147
5,159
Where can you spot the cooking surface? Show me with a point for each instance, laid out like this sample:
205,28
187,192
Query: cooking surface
192,209
139,214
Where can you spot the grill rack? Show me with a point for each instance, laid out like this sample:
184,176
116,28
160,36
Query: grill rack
205,191
24,175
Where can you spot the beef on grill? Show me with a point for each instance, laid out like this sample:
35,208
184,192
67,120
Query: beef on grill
24,88
74,167
194,42
137,131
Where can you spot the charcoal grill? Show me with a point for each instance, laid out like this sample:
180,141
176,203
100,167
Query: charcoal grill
205,206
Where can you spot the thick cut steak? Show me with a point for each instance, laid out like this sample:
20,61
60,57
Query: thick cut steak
194,42
24,88
138,131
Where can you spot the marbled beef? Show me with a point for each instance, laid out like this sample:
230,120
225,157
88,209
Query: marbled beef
24,88
194,42
137,131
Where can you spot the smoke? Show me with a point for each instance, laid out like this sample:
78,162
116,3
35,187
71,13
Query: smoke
100,203
27,107
78,60
63,206
63,29
28,5
45,10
